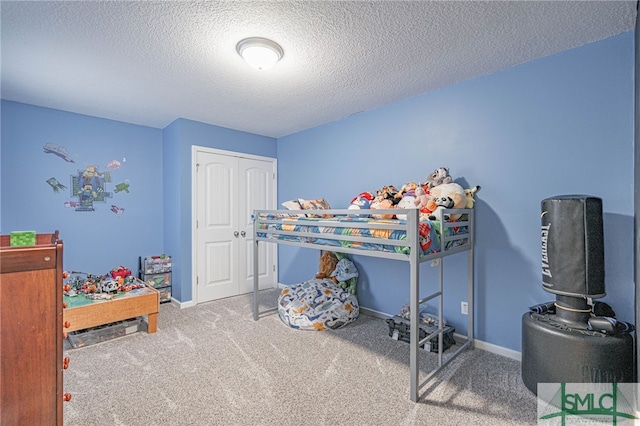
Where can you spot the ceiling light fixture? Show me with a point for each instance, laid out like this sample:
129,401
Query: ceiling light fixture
260,53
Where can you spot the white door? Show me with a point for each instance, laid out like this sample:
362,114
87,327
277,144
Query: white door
228,189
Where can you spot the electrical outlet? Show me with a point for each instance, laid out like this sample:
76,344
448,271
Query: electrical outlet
464,308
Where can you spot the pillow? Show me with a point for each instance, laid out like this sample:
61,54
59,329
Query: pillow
317,204
291,205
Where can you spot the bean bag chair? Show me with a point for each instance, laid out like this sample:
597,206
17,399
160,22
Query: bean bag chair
317,304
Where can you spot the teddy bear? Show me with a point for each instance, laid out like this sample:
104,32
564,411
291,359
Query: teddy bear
422,198
424,202
328,263
455,192
438,177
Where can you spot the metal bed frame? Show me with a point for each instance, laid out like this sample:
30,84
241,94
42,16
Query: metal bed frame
465,244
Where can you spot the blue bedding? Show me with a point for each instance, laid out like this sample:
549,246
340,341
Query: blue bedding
343,226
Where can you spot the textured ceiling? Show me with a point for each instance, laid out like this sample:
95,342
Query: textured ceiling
151,62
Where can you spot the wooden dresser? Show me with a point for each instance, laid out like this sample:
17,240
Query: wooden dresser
31,332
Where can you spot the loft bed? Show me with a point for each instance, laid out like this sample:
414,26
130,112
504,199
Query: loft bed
411,240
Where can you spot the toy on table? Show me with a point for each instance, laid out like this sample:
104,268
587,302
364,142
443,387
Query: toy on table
120,272
99,286
22,238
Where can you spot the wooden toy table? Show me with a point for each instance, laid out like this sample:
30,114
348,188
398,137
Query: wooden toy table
82,313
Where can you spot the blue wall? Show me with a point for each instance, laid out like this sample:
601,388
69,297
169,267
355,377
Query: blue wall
155,163
95,241
179,138
558,125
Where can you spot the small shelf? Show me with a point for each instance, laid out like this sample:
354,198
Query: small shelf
156,272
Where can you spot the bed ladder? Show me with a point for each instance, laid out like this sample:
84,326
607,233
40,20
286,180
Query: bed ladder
415,301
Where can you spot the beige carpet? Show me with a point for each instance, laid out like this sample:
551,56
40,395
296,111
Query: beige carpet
213,365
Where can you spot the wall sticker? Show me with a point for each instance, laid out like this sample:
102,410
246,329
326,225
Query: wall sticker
55,185
89,186
58,150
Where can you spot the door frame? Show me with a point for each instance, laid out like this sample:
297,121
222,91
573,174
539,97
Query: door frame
194,246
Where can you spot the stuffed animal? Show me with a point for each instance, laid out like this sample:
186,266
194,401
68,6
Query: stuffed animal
384,204
438,177
407,202
407,197
361,201
363,196
408,188
442,203
455,192
470,194
328,263
422,198
387,193
345,274
385,199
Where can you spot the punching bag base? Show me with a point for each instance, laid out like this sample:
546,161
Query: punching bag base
554,353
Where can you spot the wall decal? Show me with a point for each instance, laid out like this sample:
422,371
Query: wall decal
122,187
55,185
116,209
89,185
113,164
58,150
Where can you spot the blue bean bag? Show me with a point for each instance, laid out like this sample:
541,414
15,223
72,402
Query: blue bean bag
317,304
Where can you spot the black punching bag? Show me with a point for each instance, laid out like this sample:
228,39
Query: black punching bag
562,346
573,246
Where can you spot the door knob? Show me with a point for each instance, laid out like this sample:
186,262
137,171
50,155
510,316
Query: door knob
235,234
243,233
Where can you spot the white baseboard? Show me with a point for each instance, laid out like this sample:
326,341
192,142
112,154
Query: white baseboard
499,350
192,303
374,313
183,305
